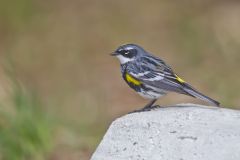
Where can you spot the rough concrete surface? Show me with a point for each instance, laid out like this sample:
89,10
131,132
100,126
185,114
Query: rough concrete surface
181,132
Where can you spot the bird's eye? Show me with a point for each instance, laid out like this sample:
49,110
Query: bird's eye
129,53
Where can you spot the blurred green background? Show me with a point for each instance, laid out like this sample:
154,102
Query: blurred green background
60,89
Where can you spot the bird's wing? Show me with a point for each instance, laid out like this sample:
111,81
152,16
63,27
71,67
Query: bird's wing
154,72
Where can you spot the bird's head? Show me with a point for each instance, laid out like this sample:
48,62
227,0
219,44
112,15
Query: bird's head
128,52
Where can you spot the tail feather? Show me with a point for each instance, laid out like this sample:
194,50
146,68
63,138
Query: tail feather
193,92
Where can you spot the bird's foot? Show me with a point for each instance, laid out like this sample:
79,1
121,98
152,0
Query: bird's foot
145,109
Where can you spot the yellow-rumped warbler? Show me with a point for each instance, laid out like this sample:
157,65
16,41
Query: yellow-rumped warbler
151,77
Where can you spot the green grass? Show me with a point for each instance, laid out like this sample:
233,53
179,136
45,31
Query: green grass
25,131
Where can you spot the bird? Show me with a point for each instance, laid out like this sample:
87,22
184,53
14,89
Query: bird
151,77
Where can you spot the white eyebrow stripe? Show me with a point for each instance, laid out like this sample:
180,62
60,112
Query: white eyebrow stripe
129,48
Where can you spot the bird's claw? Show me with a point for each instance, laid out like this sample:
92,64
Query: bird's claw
145,109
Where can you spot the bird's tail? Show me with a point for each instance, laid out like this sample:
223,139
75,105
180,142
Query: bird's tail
193,92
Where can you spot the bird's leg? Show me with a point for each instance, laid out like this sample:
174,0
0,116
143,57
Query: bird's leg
148,107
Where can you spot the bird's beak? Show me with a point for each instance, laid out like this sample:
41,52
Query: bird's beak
114,54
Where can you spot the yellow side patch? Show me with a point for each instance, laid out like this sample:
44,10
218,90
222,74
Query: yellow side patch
130,79
179,79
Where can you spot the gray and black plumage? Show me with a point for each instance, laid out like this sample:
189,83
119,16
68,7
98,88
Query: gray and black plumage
151,77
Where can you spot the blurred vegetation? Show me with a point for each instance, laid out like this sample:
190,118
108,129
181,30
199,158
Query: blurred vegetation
60,50
25,131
